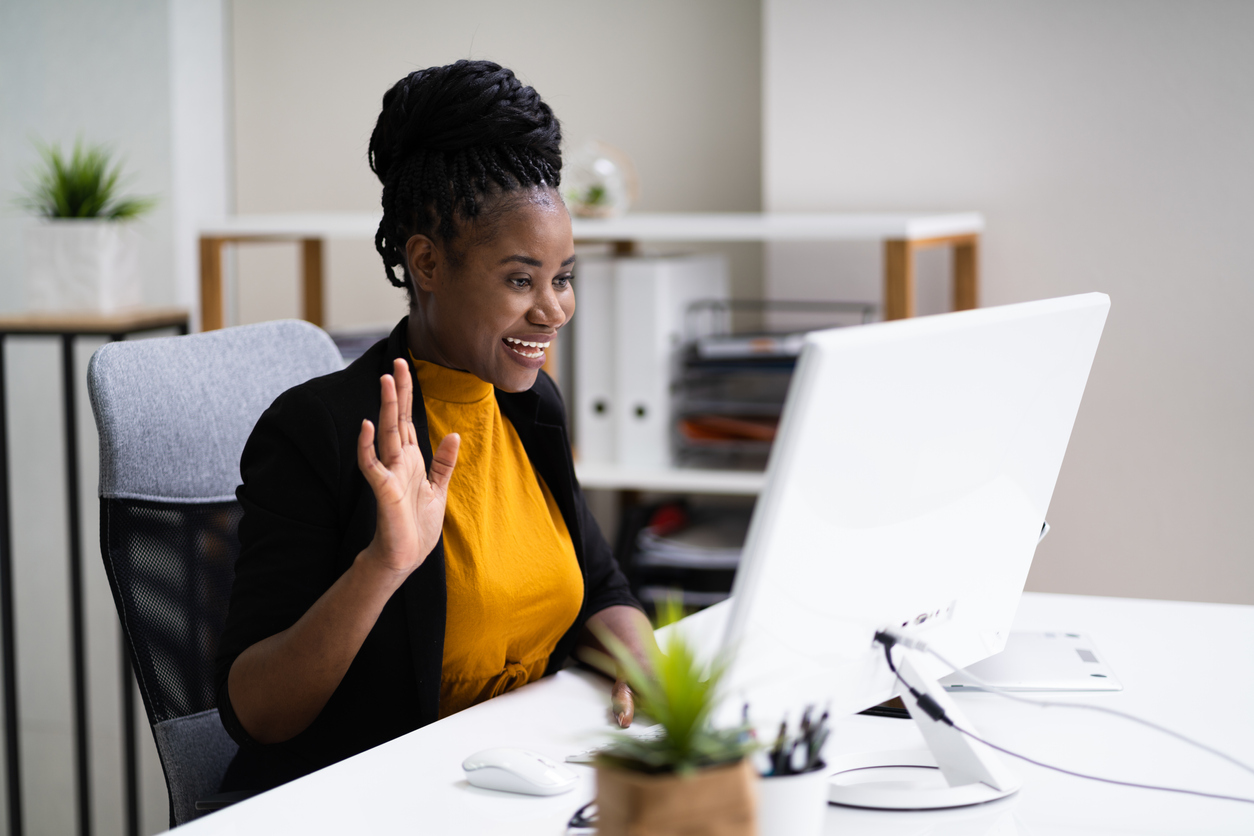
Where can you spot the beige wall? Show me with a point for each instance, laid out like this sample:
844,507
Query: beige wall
1109,146
1106,143
675,85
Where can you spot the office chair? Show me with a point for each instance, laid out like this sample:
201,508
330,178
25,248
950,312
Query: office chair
173,416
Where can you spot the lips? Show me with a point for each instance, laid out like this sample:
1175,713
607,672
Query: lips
527,349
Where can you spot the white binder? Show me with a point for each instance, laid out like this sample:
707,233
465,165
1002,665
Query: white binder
593,323
652,296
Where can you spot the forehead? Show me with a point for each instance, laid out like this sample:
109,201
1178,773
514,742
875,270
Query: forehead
535,219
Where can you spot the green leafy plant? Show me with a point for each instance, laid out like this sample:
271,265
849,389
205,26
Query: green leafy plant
84,185
596,195
680,695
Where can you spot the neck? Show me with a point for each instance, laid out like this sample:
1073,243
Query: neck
422,342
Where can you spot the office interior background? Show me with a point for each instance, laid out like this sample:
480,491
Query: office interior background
1108,145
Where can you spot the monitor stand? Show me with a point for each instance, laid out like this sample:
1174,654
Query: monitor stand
953,771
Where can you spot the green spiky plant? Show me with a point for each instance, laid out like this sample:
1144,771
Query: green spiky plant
84,185
680,695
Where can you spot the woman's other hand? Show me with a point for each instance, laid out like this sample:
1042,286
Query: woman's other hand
633,631
410,501
622,703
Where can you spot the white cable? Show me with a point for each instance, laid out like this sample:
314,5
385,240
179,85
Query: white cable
923,647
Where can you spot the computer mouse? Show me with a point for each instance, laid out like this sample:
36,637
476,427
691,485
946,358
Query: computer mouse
519,770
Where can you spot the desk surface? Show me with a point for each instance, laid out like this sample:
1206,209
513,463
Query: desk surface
646,226
125,321
1185,665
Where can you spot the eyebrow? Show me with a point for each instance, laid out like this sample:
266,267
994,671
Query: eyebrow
533,262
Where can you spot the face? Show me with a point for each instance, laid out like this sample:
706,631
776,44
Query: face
493,307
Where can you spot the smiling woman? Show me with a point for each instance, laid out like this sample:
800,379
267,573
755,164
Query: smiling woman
414,540
493,309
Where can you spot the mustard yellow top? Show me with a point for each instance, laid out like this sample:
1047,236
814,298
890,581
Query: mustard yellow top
514,583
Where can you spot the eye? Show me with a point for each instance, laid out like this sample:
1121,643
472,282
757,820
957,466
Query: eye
562,282
519,281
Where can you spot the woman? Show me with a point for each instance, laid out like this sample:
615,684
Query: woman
382,585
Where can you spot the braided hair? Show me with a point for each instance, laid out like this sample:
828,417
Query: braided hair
449,139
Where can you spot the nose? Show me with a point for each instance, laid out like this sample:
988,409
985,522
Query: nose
546,309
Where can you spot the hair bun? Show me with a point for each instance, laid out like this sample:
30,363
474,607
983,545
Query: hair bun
447,136
469,104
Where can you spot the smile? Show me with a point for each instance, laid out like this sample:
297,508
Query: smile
521,347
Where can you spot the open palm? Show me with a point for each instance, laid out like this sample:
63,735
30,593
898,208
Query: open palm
410,501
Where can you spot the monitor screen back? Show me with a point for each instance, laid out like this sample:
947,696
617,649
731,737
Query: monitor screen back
907,488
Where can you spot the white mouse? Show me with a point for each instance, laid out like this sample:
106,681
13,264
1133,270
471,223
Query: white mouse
519,770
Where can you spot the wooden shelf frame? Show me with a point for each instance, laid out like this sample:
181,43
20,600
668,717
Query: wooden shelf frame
902,235
899,287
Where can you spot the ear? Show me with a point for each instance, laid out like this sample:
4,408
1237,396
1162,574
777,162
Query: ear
423,258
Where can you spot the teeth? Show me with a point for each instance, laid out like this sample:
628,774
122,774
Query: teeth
527,343
517,344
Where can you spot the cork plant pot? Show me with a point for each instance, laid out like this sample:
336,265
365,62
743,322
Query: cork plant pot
714,801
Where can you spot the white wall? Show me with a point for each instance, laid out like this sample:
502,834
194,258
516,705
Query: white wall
96,70
198,82
675,85
147,77
1109,146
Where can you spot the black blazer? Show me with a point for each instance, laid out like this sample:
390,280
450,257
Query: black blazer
308,512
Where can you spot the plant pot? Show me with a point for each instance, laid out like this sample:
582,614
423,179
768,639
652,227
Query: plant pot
717,801
82,265
793,805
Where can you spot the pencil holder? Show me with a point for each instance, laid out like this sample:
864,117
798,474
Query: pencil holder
793,805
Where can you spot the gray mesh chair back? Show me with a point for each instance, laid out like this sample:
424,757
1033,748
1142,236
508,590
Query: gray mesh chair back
173,416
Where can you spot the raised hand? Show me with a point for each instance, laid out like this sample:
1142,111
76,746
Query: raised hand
410,501
279,685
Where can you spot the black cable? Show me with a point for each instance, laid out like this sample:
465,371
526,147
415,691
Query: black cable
1098,777
1008,695
936,712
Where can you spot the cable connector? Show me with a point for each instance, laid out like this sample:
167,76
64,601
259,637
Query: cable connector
886,638
925,701
932,708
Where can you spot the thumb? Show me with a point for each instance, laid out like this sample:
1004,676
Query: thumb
622,704
444,460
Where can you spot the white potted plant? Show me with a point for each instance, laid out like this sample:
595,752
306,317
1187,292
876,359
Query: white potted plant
82,254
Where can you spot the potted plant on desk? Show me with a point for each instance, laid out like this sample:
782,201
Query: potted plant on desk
693,779
82,255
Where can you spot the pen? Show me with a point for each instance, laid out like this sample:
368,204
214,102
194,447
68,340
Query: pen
799,757
816,750
777,750
747,732
818,737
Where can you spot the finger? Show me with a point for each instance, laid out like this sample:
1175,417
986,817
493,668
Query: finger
405,397
367,461
389,435
623,704
444,460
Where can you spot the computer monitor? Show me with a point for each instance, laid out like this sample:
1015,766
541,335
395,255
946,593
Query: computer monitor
907,487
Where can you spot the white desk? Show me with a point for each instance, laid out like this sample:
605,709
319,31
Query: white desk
1188,666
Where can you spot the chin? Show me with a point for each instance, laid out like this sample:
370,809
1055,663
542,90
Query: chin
518,383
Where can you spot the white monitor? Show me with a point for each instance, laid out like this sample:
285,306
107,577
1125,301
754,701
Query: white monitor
907,488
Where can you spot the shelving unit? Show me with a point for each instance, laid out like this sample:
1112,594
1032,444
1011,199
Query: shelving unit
608,477
901,234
